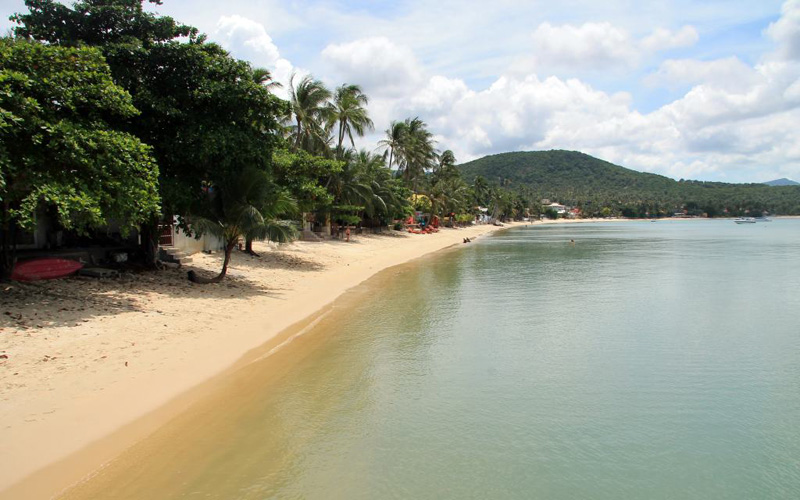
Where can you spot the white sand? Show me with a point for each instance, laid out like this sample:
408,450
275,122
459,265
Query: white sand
87,357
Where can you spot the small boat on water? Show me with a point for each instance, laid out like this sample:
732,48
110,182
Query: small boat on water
763,219
745,220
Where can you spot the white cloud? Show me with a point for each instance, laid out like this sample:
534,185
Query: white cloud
730,73
237,33
440,94
248,39
379,65
786,31
596,45
664,39
599,46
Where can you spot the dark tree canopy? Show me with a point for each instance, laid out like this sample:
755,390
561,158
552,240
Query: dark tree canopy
57,147
203,112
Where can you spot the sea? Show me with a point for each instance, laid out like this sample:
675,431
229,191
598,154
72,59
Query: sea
619,360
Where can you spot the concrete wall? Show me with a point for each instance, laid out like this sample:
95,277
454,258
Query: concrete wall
190,244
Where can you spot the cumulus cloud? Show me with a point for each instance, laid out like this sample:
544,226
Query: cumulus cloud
601,45
379,65
730,73
591,44
786,31
664,39
248,39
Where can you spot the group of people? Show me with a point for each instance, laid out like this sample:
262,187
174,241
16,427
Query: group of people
467,240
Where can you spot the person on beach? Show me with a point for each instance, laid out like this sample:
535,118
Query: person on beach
347,234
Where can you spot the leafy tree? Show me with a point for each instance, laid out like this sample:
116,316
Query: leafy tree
205,114
305,177
57,147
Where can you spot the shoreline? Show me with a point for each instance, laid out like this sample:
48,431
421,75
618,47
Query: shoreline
68,412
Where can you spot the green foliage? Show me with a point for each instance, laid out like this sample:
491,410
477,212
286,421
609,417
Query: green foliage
305,177
205,114
310,111
464,218
349,112
600,188
247,205
57,146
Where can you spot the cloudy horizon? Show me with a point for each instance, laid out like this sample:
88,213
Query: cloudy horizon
705,91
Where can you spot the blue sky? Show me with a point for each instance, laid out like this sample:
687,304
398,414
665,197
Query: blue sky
705,90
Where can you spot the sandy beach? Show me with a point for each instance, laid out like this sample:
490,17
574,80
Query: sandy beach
82,358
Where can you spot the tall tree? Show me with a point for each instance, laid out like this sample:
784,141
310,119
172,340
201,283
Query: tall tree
57,147
205,114
393,140
310,111
415,153
349,112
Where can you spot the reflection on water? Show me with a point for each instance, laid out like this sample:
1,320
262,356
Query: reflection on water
646,361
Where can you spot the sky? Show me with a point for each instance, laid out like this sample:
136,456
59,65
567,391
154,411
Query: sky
706,90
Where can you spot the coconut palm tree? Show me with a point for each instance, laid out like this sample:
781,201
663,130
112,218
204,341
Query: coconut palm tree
394,137
447,193
349,112
481,190
263,77
415,153
241,208
310,111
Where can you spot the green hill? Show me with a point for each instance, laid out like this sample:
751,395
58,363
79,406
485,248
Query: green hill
576,178
783,181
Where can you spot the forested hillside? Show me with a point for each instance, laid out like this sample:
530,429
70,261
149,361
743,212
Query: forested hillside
601,188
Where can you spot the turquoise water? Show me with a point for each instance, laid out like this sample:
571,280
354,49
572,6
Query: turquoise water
649,360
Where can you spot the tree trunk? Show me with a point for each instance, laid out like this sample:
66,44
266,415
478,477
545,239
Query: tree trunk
7,259
248,247
149,242
194,278
297,142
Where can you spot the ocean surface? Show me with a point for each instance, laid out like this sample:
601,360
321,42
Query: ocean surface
646,360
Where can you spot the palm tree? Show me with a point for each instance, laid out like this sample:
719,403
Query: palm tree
394,137
350,185
272,204
447,193
311,111
263,77
482,190
350,113
415,153
239,208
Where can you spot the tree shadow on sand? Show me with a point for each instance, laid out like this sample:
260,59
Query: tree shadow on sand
75,300
276,259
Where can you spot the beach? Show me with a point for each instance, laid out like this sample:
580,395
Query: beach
82,359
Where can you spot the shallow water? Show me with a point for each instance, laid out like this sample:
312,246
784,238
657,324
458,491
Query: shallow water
647,360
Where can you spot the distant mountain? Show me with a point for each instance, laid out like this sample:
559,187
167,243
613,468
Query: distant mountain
782,182
576,178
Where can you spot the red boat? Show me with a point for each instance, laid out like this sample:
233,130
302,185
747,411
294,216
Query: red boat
44,269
